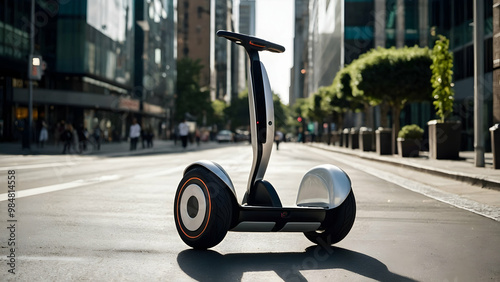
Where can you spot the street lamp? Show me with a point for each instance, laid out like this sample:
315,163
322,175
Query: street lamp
31,67
478,82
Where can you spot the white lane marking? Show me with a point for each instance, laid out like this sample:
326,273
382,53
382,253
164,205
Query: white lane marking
431,192
159,173
83,182
68,259
59,187
34,166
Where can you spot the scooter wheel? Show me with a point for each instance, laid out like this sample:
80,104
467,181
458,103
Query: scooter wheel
337,223
202,209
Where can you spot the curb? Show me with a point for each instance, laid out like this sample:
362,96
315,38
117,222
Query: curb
459,176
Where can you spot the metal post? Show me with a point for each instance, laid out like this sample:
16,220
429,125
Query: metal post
30,63
478,82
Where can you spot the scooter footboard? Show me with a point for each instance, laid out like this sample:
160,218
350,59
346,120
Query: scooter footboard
272,219
325,186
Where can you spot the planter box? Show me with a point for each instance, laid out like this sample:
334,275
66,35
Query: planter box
354,138
366,141
345,137
409,148
383,142
444,139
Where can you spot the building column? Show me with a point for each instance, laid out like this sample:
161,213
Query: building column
478,82
423,20
400,23
380,22
496,61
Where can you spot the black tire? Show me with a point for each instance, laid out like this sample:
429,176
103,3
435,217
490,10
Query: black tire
202,209
337,224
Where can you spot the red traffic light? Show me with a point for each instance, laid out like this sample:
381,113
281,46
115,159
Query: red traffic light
35,67
299,119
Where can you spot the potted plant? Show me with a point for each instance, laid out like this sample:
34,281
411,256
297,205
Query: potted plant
444,135
409,140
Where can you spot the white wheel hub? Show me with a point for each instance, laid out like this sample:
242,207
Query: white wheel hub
193,207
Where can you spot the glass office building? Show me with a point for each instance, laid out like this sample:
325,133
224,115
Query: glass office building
106,62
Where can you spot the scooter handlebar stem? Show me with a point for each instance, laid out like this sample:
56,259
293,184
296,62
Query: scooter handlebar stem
261,107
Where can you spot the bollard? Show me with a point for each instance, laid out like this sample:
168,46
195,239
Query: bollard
383,141
354,138
345,136
366,139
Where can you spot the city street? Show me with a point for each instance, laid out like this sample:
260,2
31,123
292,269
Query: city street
110,218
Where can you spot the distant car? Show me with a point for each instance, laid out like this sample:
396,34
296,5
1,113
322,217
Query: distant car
224,136
241,135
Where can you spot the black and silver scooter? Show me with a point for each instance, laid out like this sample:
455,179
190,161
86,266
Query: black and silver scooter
206,206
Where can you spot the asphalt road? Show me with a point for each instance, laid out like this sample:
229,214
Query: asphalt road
111,219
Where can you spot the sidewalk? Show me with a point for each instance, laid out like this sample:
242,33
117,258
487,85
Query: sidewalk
112,149
463,169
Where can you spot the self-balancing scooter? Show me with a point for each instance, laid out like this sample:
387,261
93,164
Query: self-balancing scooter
206,206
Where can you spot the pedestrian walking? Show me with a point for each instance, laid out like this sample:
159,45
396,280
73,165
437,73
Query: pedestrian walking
82,138
67,138
58,131
134,134
184,132
44,135
278,138
97,137
75,142
197,135
149,137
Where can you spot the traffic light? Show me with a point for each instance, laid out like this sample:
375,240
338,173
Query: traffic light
299,119
35,67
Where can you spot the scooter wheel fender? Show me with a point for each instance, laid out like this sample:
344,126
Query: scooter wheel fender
202,209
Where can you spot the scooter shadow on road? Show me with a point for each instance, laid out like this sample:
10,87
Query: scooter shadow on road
212,266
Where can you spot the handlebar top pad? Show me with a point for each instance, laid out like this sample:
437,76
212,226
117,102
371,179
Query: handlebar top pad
250,42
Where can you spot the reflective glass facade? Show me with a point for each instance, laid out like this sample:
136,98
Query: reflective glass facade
14,29
95,37
107,61
359,31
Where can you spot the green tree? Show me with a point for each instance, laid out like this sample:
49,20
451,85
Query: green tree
299,110
218,116
339,96
395,76
281,114
239,115
190,98
442,73
238,112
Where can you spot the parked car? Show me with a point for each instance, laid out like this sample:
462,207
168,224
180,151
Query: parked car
241,135
224,136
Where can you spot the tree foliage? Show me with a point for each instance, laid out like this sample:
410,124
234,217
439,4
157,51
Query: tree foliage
238,112
393,76
191,100
396,76
218,116
282,118
442,73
